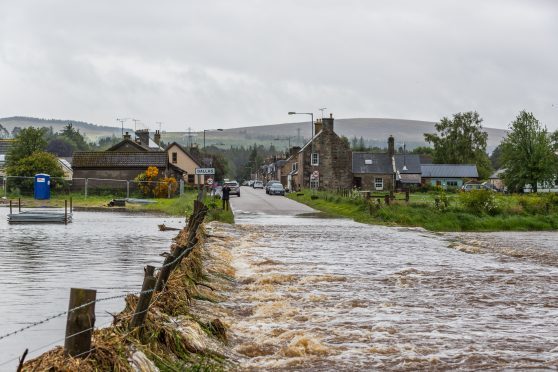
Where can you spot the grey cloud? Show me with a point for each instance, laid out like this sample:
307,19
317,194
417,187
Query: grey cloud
246,63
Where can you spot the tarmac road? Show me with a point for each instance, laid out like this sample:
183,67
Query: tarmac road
257,202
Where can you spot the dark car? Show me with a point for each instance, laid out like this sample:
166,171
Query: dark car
276,189
269,184
234,186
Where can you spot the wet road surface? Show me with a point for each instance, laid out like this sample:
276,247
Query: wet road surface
257,202
332,294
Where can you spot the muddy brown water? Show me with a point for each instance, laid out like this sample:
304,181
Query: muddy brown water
40,263
332,294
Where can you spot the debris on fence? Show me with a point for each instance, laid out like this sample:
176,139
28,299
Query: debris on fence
161,329
164,227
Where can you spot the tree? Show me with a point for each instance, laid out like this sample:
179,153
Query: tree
423,150
461,140
75,136
29,166
60,147
528,154
28,141
4,132
496,157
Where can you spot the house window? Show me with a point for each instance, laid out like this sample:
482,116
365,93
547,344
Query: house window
294,167
315,159
379,183
451,183
191,178
314,184
174,157
369,161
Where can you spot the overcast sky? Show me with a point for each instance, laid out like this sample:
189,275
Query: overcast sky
210,64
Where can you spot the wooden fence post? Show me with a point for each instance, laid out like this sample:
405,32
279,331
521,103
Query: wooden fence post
71,205
19,204
164,273
80,322
65,212
149,282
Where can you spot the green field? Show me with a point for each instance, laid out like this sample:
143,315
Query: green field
438,211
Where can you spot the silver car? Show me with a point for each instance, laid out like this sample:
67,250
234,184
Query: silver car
234,186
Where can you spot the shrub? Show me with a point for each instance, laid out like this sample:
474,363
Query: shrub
479,202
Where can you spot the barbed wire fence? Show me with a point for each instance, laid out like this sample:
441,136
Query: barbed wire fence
78,347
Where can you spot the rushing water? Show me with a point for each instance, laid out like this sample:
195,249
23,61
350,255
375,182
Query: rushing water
40,263
331,294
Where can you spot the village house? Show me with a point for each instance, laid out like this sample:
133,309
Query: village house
324,162
448,175
125,160
185,161
385,171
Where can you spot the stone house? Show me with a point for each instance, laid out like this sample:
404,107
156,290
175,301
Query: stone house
385,171
324,162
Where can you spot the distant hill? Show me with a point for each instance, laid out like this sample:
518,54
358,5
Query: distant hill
91,131
374,130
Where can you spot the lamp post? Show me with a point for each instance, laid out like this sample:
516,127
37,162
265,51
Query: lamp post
209,130
311,130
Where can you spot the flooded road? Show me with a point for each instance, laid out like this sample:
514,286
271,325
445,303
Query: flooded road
40,263
332,294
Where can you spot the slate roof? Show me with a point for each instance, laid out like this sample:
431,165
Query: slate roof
378,163
128,142
411,161
113,159
496,175
449,171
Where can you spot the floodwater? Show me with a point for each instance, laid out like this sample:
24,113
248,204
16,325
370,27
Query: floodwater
40,263
332,294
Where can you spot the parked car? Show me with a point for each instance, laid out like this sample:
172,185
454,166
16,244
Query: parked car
269,184
258,185
276,189
234,186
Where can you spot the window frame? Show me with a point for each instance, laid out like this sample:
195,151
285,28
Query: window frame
317,155
378,181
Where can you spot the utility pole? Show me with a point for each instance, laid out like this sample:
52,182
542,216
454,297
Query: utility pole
135,123
122,124
322,110
160,124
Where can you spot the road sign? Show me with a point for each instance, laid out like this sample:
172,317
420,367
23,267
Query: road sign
315,175
209,181
204,171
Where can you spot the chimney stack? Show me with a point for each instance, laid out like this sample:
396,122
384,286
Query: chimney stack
317,126
327,123
127,136
157,137
143,137
391,146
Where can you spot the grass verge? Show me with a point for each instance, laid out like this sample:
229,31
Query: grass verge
510,213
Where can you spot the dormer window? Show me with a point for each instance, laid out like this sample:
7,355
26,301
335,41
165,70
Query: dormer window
369,161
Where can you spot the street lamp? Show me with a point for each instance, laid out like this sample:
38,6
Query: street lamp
209,130
311,124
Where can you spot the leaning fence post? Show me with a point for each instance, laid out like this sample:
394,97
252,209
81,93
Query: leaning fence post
80,322
164,273
149,282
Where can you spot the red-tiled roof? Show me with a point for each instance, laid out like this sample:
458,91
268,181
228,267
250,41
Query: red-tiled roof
113,159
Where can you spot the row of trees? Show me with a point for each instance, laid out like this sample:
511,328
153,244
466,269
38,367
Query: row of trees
528,152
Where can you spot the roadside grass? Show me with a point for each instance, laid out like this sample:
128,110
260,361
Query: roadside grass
510,212
178,206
